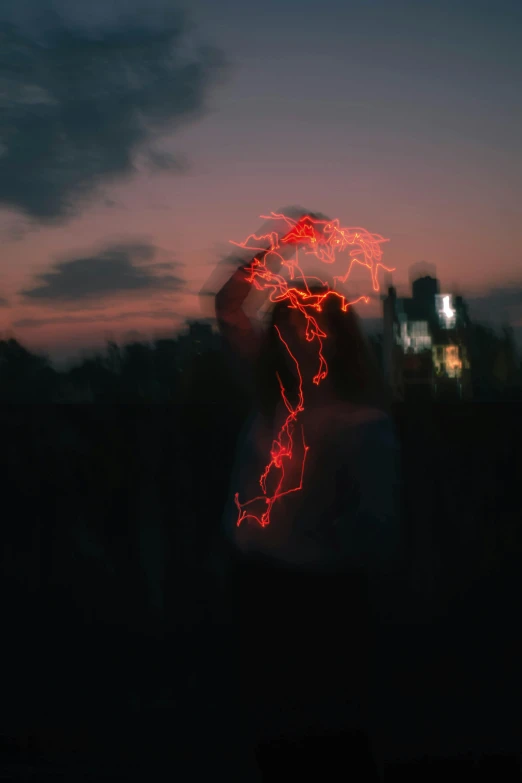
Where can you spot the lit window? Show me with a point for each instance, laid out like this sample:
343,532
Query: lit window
446,310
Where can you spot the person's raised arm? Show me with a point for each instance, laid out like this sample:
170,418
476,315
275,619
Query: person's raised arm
233,322
242,339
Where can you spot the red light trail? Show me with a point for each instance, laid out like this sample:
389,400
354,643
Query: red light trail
324,239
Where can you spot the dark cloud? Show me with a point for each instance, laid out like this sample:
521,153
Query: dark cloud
3,302
158,160
26,323
80,103
120,268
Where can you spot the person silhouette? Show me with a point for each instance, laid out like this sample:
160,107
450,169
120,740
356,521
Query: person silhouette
307,584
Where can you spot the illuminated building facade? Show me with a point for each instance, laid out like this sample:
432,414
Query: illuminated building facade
426,342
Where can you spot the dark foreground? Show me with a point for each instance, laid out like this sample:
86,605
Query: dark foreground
115,663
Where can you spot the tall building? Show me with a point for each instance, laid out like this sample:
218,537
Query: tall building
425,342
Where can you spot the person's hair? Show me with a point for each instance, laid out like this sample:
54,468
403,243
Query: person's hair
352,363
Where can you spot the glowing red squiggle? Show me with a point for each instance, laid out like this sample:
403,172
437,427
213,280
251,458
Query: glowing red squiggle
323,239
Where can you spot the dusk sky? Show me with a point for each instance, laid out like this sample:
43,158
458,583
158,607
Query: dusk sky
132,149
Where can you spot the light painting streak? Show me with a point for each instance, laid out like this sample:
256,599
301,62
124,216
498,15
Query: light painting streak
325,239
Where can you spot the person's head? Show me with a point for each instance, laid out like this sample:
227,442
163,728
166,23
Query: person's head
353,374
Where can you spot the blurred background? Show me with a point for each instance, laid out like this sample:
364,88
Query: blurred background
136,140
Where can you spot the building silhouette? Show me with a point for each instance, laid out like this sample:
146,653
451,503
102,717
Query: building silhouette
426,343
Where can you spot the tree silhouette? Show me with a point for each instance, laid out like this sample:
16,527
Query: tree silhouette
25,377
192,369
495,366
